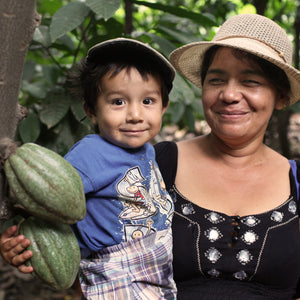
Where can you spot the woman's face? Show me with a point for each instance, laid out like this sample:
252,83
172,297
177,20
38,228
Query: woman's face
238,100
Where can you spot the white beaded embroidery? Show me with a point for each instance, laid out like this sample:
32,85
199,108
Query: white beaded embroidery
249,237
213,234
244,257
213,254
214,217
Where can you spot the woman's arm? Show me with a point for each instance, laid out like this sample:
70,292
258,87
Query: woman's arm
12,249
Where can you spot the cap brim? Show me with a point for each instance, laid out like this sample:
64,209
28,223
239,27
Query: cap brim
124,47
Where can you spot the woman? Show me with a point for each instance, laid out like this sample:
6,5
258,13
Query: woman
235,227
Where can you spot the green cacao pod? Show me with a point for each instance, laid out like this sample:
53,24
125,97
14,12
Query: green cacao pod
56,254
45,184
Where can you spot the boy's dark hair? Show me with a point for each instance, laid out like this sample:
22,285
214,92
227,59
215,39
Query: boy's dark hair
91,74
274,74
114,56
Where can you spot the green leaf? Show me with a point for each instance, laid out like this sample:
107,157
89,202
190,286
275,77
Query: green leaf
165,46
68,18
29,70
29,128
180,36
176,110
54,110
68,42
180,12
182,91
36,89
49,6
42,36
51,73
189,117
77,109
104,8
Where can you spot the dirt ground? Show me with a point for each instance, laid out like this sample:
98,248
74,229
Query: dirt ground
17,286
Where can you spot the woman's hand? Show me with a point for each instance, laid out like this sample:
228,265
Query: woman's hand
12,249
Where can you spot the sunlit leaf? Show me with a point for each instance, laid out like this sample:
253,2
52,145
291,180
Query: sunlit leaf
180,12
68,18
49,6
104,8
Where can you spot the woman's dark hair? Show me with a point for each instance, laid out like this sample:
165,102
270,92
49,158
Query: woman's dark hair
86,79
274,74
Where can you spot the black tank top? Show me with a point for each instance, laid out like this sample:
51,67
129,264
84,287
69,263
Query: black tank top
217,256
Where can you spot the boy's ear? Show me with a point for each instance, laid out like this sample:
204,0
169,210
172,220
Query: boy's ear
91,115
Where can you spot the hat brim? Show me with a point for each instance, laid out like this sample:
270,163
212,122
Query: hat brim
187,60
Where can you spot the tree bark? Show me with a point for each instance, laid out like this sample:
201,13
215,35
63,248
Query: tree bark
128,17
18,20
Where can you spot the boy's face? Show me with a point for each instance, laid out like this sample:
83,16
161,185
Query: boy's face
129,108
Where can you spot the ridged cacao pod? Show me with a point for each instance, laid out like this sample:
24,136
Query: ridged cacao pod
56,254
45,184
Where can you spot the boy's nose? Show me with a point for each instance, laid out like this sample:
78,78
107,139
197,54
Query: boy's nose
134,113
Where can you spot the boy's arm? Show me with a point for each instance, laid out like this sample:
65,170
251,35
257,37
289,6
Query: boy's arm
12,249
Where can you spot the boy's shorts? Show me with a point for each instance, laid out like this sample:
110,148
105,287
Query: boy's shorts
139,269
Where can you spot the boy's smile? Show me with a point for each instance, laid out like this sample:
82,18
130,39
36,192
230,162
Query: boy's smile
129,108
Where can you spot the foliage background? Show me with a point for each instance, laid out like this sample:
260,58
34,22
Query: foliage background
69,28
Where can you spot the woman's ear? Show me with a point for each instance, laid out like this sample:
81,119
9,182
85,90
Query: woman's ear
282,102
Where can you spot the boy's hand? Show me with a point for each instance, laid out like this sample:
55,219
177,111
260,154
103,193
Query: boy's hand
12,247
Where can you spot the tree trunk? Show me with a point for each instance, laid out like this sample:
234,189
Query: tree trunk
18,20
128,17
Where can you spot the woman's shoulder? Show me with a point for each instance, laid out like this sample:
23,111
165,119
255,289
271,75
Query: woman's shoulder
166,154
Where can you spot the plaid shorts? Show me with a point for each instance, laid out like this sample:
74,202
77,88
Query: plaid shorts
139,269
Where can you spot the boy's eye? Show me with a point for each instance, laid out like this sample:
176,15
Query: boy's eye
147,101
118,101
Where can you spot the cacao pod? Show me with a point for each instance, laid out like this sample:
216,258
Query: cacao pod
56,254
45,184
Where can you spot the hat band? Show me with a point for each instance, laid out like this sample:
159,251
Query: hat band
280,53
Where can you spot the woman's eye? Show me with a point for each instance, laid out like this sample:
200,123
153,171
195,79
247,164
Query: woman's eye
215,81
118,101
251,82
147,101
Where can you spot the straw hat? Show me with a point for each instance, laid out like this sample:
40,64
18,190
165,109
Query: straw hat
249,32
119,48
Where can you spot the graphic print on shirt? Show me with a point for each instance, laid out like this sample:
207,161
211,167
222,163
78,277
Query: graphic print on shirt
144,199
159,193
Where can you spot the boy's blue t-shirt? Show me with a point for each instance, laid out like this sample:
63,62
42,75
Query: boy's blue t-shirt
125,194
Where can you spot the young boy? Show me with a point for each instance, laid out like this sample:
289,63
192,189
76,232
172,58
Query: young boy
125,238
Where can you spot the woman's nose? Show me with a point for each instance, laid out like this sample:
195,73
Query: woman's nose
231,93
